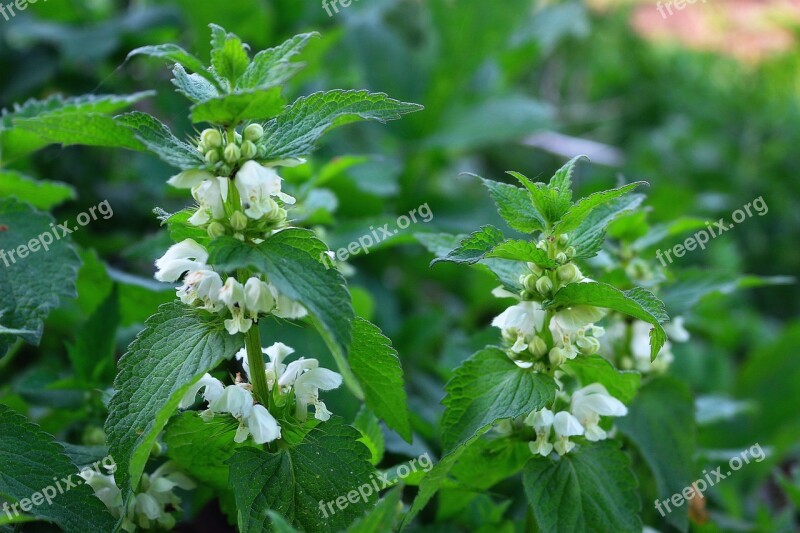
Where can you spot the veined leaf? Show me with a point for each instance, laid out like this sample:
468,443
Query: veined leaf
562,179
638,303
516,207
228,55
518,250
473,248
41,194
159,140
178,345
240,106
273,66
176,54
89,129
548,202
588,237
382,517
584,207
193,86
621,384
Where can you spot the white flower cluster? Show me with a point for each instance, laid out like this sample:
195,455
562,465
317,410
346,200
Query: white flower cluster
154,504
301,379
203,287
628,344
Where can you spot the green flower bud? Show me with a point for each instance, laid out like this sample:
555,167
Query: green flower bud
568,273
558,356
239,221
249,150
237,137
253,132
571,251
212,157
563,239
211,138
544,285
238,237
215,229
202,148
588,345
529,282
561,257
536,269
537,346
232,153
157,449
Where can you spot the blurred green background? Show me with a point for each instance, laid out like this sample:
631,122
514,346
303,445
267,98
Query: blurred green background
703,104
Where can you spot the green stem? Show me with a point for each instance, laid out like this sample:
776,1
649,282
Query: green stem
255,358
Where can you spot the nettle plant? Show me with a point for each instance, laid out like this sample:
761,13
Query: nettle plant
238,263
549,401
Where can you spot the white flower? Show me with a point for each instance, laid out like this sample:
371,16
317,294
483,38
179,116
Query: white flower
203,285
576,317
592,402
105,488
262,425
257,185
294,370
213,390
210,195
232,295
258,297
676,331
522,321
541,421
640,348
286,307
565,426
186,256
275,368
190,178
306,390
235,400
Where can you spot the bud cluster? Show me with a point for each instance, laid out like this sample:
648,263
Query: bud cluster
224,152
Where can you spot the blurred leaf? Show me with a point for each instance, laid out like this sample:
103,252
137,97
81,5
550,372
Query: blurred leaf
41,194
382,517
589,236
620,384
371,435
93,353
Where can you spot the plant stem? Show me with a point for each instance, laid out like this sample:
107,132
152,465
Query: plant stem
258,375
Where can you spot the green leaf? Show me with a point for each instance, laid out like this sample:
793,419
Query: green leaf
292,261
382,517
178,345
296,132
298,482
548,202
475,247
518,250
585,206
371,435
591,489
193,86
32,464
33,285
88,130
377,367
562,179
489,387
180,228
515,206
176,54
588,237
41,194
660,422
621,384
235,108
273,66
203,448
159,140
638,303
489,461
93,354
228,56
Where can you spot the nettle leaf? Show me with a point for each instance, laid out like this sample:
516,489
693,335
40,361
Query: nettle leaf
562,179
88,130
180,228
638,303
296,132
32,464
93,353
34,282
240,106
475,247
329,464
515,206
377,367
371,434
489,387
273,66
228,55
176,54
193,86
660,422
590,489
292,261
545,200
573,218
383,516
41,194
178,345
489,461
159,139
588,237
519,250
621,384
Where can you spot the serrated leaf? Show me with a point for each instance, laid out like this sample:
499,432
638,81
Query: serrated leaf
178,345
638,303
573,218
515,206
371,434
328,464
489,387
383,516
32,463
292,261
41,194
31,286
660,422
229,57
548,202
180,228
88,130
620,384
588,237
193,86
377,367
562,179
176,54
235,108
273,66
296,132
591,489
159,139
475,247
518,250
489,461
